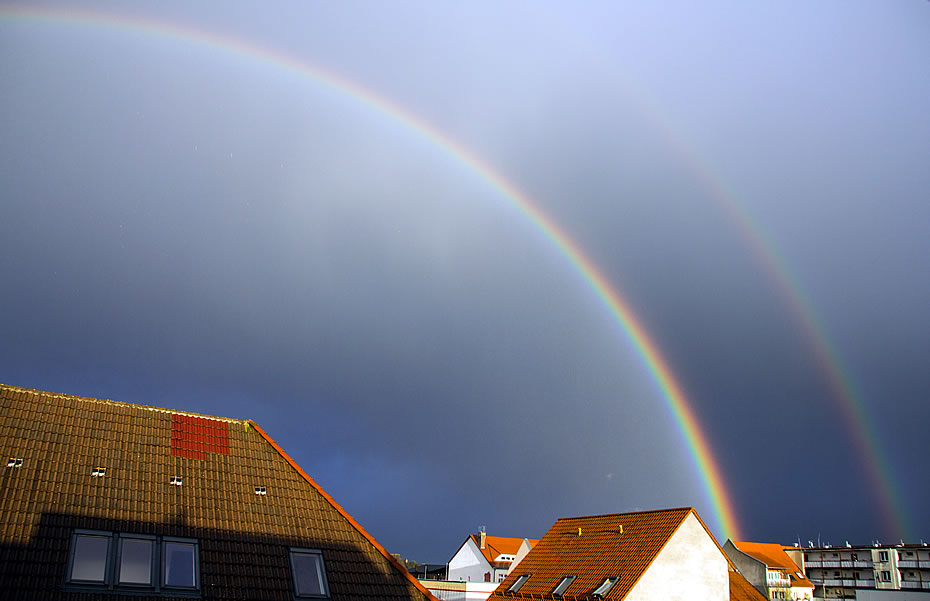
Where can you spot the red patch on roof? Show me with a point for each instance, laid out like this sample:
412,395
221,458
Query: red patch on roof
193,437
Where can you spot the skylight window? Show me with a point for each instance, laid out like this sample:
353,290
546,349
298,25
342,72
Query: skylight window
566,582
89,558
180,564
97,472
15,462
176,481
605,586
519,583
260,490
309,573
135,561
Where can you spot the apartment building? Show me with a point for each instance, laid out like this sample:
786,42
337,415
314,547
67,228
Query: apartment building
839,572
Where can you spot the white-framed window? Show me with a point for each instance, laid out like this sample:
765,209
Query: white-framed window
605,586
309,573
883,556
120,561
886,576
563,585
520,581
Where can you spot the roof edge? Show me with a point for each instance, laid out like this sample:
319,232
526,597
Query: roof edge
87,399
391,559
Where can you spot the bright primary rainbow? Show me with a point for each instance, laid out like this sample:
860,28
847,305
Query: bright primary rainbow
652,359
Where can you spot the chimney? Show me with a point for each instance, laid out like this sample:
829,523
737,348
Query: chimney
482,537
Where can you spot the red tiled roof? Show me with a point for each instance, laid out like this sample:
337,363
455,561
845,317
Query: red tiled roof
594,548
774,556
741,590
243,536
499,545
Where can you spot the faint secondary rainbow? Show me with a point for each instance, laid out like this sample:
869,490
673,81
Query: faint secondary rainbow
648,352
791,293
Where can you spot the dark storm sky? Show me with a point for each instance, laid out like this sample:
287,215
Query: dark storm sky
187,227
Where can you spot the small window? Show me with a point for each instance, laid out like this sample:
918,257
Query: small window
883,556
521,580
605,586
566,582
89,558
179,564
309,573
886,576
135,561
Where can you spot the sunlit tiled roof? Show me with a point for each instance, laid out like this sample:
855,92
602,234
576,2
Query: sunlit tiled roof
774,556
593,549
741,590
119,467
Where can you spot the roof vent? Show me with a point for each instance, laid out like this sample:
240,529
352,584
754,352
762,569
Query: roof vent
99,472
15,462
175,480
260,490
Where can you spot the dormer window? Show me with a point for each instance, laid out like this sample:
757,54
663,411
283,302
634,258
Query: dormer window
519,583
605,586
563,585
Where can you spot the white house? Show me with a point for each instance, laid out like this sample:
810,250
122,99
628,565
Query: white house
483,558
643,556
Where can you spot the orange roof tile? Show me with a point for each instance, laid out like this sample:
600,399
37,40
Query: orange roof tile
499,545
774,556
594,548
741,590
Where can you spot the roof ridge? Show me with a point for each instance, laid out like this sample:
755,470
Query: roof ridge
86,399
393,560
610,515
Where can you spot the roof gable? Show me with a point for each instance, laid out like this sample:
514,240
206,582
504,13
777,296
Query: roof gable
495,546
594,548
774,556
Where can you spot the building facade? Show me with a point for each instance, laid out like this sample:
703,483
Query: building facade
841,572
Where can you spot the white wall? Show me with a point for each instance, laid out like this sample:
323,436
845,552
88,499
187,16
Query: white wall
468,564
690,568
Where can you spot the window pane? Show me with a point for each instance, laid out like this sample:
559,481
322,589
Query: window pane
308,573
179,564
135,562
90,558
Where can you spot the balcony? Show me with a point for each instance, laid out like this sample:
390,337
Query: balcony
865,584
830,582
908,563
912,584
859,563
924,563
817,564
831,564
